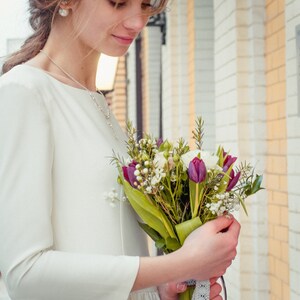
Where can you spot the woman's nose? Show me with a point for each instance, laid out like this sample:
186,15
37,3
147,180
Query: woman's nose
136,22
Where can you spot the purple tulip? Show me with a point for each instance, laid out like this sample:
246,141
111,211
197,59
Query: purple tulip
197,170
159,142
229,160
128,172
233,180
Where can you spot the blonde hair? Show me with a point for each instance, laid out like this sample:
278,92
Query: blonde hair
42,13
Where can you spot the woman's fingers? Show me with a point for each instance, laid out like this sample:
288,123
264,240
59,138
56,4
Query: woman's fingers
221,223
234,228
171,290
215,290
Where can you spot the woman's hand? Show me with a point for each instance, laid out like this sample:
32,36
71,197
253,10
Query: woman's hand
170,291
215,290
209,250
206,253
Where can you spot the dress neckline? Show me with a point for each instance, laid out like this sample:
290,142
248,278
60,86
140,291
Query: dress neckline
57,81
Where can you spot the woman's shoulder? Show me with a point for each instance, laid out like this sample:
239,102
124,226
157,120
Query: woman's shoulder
24,76
23,85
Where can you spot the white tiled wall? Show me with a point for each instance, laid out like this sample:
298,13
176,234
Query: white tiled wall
240,116
292,17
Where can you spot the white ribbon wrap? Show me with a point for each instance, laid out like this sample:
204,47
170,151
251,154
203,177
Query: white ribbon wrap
202,290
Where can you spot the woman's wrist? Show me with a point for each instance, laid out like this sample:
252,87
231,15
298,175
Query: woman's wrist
175,267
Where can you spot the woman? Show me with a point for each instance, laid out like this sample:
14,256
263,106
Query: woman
60,239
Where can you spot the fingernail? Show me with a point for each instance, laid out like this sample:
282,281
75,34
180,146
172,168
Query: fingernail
181,287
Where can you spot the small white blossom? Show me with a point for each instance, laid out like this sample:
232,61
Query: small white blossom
111,197
159,160
149,189
155,180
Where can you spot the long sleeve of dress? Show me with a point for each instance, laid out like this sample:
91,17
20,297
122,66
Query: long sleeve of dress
31,267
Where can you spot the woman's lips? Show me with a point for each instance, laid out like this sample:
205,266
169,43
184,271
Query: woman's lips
124,40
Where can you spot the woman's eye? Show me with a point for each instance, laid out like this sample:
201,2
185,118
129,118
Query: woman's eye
117,4
147,5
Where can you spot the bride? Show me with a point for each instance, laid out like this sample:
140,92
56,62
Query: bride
60,239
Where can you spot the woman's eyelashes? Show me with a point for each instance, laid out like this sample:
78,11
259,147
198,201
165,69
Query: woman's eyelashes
146,5
117,4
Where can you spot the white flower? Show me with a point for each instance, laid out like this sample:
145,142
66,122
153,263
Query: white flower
210,160
149,189
159,160
155,180
188,157
111,197
159,174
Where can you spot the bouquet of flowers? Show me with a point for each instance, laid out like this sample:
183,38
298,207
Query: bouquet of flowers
174,189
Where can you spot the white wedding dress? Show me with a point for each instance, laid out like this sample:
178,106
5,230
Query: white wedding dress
60,238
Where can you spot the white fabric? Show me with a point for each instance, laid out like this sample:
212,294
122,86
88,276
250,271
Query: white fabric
59,238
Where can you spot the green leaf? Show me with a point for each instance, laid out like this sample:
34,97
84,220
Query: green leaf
192,187
148,211
225,180
155,236
160,244
196,193
256,184
244,206
172,244
221,156
185,228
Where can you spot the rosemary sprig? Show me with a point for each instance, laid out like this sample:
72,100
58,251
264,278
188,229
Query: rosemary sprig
198,133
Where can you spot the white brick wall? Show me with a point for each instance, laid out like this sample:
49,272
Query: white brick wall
151,84
292,17
230,94
175,73
240,116
204,69
131,86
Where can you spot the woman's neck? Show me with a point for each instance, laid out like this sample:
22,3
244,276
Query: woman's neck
68,62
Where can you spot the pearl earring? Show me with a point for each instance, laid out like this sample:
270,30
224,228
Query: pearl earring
63,12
